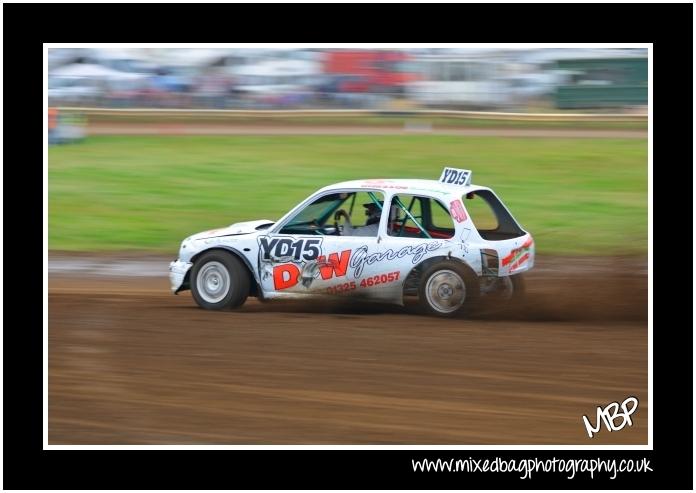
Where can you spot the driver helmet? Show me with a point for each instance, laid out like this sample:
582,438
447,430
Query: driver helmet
373,212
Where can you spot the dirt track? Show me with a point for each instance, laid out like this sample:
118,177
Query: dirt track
260,129
131,364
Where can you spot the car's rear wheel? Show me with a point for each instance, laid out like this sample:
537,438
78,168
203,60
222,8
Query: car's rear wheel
447,288
506,290
219,280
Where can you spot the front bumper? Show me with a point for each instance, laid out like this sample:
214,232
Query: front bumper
177,274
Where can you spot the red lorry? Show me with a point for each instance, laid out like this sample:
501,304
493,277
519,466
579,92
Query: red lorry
374,71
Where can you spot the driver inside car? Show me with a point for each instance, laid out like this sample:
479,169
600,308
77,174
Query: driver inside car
371,227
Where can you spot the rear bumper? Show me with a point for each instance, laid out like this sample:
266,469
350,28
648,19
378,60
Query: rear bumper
177,274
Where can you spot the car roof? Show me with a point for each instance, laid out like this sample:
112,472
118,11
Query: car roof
411,186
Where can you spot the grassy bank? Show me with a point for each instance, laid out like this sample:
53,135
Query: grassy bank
577,196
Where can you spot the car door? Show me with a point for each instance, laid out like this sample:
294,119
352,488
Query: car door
406,239
307,255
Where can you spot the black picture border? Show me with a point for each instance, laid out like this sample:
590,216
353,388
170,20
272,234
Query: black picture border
27,26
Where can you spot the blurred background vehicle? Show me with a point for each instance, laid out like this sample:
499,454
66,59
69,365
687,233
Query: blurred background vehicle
273,83
226,78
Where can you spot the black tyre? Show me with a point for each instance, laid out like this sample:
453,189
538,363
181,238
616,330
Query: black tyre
448,288
519,288
503,290
219,280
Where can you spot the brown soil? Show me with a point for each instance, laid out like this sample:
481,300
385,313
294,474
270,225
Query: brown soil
131,364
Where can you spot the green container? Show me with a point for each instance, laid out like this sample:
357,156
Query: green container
604,83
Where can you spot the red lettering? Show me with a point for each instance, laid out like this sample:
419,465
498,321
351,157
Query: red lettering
517,251
285,276
336,266
508,259
523,259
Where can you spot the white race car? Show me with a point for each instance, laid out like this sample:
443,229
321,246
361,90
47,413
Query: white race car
379,240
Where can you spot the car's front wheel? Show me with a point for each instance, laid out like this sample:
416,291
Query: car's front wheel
448,288
219,280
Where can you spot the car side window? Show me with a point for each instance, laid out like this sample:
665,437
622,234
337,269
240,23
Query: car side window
441,221
413,216
480,211
361,215
492,220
